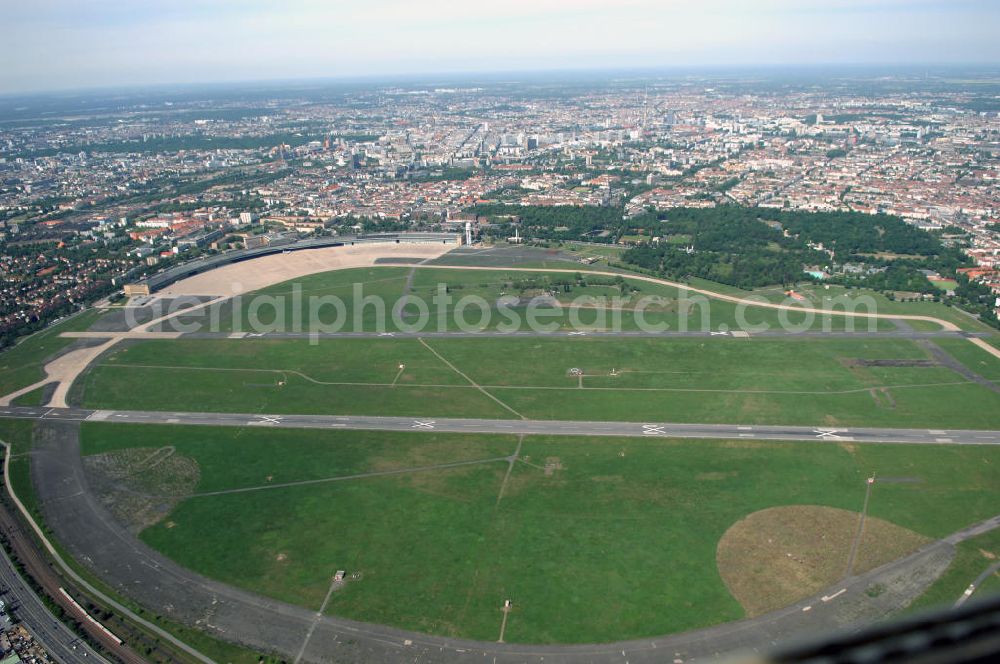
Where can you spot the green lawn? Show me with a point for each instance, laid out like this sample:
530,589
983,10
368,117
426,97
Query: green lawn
608,251
470,291
972,356
944,284
817,294
284,376
32,398
17,434
760,380
616,541
275,456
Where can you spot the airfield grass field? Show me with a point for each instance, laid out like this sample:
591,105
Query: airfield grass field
971,356
815,294
271,309
17,434
593,539
811,381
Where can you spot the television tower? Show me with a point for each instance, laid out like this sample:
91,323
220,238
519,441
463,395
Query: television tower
468,233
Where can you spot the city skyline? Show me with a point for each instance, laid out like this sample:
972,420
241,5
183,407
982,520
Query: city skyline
57,45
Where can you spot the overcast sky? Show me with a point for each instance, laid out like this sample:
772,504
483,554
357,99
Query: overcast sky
55,44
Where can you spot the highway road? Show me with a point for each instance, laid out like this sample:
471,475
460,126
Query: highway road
518,427
64,646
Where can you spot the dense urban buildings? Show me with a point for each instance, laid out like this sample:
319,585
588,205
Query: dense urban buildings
92,196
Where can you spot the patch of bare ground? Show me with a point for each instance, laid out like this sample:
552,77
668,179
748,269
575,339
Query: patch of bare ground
141,485
442,482
427,453
451,483
882,398
857,370
552,464
716,476
777,556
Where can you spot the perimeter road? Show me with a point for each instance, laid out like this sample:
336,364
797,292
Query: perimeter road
517,427
988,572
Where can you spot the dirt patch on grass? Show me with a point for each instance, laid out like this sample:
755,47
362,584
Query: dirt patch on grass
882,398
454,484
716,476
426,453
552,464
892,363
858,371
777,556
141,485
743,444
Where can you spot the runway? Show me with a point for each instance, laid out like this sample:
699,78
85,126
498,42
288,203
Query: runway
517,334
517,426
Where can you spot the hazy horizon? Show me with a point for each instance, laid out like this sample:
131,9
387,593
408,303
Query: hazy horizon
57,45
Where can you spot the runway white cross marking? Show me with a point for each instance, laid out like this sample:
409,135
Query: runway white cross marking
267,419
827,434
423,424
653,429
577,334
718,334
